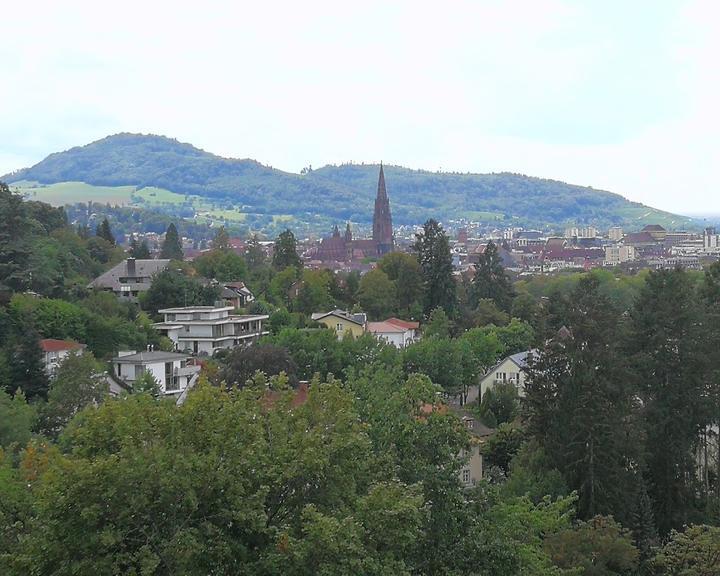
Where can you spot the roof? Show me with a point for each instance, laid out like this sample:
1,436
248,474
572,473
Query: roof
189,309
150,357
355,318
384,327
472,423
143,269
653,228
53,345
407,324
520,359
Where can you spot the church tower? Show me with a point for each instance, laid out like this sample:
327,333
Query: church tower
382,219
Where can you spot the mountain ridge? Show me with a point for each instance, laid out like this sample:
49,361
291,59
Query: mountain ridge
336,192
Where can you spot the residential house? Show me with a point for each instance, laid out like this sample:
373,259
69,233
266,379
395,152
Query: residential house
236,294
342,322
173,371
55,351
129,278
399,333
472,472
509,369
206,329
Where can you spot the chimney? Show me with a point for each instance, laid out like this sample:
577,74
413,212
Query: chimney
131,266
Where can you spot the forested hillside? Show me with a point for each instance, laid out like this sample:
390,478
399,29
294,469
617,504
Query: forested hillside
343,192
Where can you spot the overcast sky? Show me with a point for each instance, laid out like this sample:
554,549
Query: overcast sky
615,94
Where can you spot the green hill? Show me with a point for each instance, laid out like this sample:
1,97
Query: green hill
195,180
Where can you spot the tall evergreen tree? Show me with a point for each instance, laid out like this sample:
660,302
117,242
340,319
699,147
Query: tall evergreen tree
27,369
254,254
578,405
103,231
491,281
14,251
433,250
664,343
711,305
285,252
171,246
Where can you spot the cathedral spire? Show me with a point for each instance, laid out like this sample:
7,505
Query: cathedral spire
382,218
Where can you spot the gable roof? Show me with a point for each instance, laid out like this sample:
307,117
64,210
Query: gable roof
384,328
358,319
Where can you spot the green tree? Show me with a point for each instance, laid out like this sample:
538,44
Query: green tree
433,253
171,288
222,265
241,364
490,280
172,246
285,252
694,552
254,254
404,270
438,325
17,420
377,294
314,293
578,405
499,404
103,231
14,242
500,448
27,366
599,547
79,381
667,364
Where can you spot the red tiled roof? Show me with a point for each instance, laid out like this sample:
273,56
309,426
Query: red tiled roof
403,323
52,345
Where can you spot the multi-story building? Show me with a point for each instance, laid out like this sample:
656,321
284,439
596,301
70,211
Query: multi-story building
172,371
615,255
615,233
205,329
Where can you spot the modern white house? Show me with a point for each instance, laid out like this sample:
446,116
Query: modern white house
172,370
55,351
399,333
205,329
510,369
129,278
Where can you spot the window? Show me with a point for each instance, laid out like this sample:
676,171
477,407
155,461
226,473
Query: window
339,327
139,370
466,475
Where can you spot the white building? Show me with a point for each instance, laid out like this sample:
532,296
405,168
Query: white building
170,369
205,329
510,369
55,351
711,240
399,333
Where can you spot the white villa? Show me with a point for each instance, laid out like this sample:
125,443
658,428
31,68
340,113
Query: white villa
399,333
170,369
510,369
55,351
205,329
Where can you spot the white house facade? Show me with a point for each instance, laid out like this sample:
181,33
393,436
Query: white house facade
55,351
172,370
508,370
206,329
399,333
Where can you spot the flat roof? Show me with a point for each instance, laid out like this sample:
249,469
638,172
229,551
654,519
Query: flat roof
150,357
195,309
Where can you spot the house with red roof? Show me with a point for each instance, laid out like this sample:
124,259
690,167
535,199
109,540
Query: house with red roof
55,351
399,333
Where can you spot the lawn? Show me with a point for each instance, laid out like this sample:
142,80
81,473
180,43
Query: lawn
73,192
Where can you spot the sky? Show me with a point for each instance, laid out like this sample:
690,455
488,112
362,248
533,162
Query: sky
618,95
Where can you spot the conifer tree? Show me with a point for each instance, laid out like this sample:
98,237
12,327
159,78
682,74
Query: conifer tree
171,246
491,281
27,369
103,231
665,346
433,251
578,405
285,252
